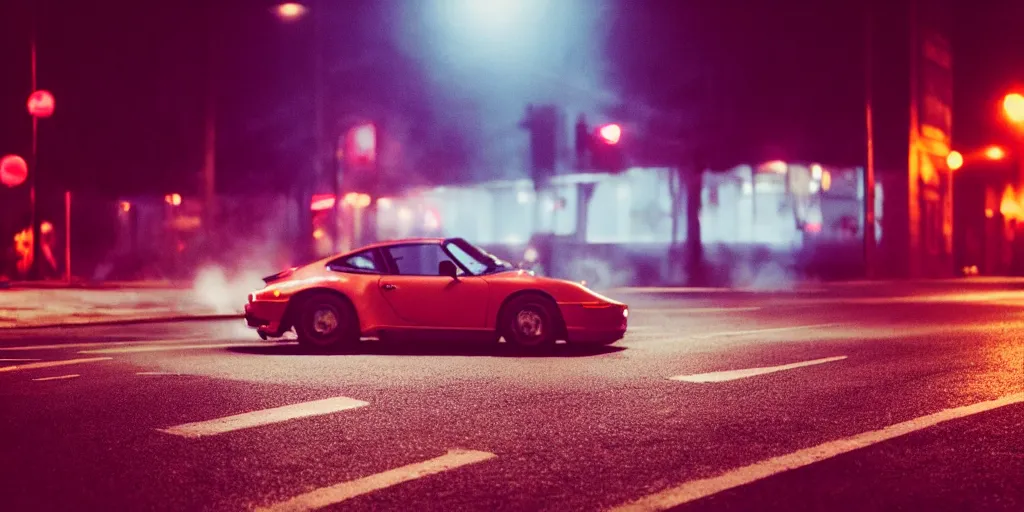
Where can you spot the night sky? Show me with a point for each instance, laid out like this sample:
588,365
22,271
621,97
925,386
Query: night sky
129,78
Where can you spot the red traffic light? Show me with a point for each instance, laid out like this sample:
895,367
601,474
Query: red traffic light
362,144
610,133
40,104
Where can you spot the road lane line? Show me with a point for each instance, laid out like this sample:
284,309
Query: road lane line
162,348
727,375
265,417
59,377
338,493
16,359
762,331
67,345
51,364
702,488
696,310
57,346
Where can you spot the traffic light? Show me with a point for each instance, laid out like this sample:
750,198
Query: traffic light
610,133
361,146
606,148
541,121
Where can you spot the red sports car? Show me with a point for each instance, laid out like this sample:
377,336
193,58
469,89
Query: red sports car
429,288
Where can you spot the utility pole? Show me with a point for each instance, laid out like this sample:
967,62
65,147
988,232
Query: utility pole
319,76
210,124
869,165
35,270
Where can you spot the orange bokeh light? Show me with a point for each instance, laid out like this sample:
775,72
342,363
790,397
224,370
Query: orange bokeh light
995,153
291,10
1009,206
1013,106
356,200
954,160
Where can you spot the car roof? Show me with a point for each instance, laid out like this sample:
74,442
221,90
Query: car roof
401,241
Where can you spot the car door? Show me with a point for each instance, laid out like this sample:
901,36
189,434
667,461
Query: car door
423,299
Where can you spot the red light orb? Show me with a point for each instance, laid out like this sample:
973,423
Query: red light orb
611,133
41,104
13,170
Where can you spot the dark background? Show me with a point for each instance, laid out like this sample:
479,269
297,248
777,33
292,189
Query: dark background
129,79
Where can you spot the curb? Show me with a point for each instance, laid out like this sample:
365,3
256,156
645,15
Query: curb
127,321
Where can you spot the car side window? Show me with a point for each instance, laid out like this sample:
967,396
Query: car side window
475,266
365,261
417,259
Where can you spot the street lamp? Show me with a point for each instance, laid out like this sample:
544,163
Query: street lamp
290,11
1013,106
954,160
995,153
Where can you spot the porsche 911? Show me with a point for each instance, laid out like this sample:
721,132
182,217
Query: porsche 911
435,288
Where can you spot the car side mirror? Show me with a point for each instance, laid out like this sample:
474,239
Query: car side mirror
447,268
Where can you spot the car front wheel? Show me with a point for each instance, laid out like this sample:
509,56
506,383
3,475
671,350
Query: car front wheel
326,322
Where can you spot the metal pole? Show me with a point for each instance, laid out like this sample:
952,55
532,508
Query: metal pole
34,266
869,166
67,236
210,128
319,172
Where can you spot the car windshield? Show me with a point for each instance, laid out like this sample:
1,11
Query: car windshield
477,260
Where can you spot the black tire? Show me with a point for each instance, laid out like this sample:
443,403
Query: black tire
325,322
530,321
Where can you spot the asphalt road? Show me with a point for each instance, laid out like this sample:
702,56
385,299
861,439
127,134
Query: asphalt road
853,398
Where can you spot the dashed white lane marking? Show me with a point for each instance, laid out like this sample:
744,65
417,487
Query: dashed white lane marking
59,377
51,364
763,331
696,310
265,417
58,346
16,359
727,375
338,493
69,345
162,348
697,489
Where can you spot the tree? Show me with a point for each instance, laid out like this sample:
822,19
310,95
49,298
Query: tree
679,92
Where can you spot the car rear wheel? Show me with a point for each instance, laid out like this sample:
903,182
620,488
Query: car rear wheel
530,321
326,322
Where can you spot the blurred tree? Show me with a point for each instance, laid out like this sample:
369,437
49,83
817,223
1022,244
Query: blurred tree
713,85
679,91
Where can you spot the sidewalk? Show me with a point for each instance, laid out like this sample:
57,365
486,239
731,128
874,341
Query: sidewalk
90,285
50,306
1008,283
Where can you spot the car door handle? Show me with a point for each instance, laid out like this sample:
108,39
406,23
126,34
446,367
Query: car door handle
389,287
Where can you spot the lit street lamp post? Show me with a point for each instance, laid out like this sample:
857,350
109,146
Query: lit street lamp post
293,12
1013,109
40,105
288,12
